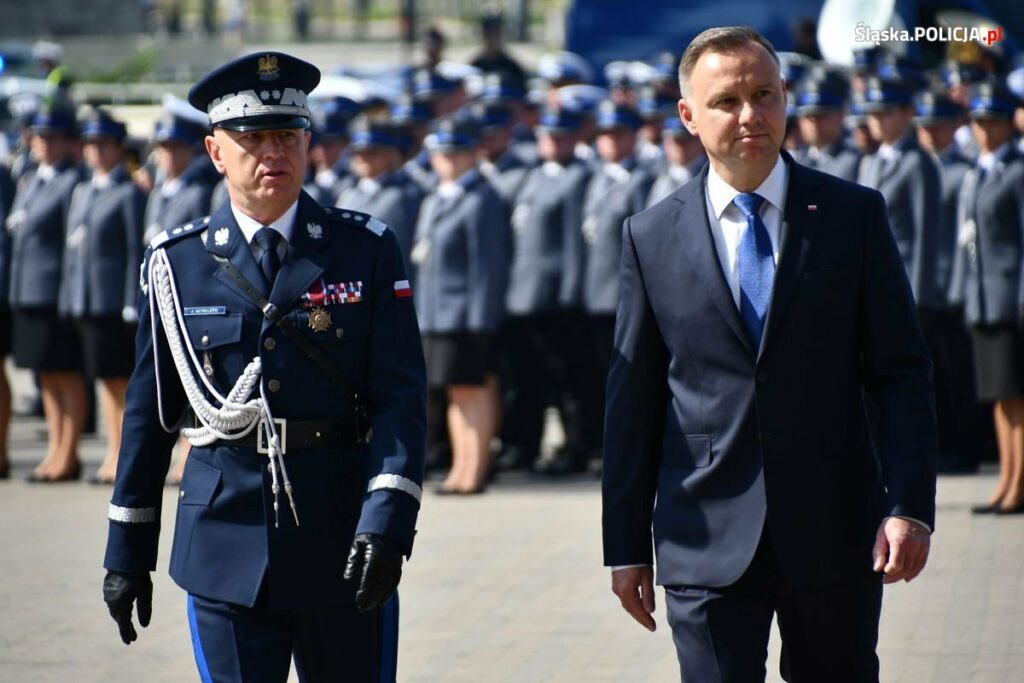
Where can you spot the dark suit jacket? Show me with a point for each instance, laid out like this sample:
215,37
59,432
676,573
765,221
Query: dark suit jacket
708,439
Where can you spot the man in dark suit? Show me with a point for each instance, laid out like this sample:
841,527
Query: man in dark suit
758,303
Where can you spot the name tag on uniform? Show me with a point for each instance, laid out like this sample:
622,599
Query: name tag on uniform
205,310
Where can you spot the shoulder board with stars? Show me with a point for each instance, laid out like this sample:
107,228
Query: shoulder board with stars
363,220
193,228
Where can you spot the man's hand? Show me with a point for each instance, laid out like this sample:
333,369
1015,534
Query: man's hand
901,549
376,562
635,588
120,591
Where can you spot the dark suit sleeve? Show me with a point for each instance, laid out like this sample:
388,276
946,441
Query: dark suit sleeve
145,454
634,419
397,404
897,374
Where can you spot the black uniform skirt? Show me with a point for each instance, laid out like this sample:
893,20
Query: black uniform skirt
6,329
459,358
998,361
108,346
44,341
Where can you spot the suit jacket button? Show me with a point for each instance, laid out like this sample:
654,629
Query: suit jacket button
269,343
762,377
274,385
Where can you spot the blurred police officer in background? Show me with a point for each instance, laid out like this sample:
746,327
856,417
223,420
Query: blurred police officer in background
618,188
100,282
461,256
6,201
383,188
937,118
328,151
500,164
44,341
546,352
988,274
819,107
320,297
684,157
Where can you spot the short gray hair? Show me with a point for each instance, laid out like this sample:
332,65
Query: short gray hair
720,39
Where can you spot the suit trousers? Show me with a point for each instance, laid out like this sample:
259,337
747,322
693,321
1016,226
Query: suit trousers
829,631
235,644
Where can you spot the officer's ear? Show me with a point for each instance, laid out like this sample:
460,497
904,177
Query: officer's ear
213,149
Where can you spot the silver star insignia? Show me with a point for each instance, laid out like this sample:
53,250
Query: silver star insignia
264,95
276,94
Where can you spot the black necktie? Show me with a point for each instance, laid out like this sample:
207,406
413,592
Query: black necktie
270,262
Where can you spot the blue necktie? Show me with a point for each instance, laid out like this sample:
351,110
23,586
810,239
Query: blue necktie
756,266
270,262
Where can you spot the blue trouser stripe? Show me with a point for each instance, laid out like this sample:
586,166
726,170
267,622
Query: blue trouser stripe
197,645
389,640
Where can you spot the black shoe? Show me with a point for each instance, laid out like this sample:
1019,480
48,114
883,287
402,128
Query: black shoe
74,474
561,465
5,471
986,509
1015,510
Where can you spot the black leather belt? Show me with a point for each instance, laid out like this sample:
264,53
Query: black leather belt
297,435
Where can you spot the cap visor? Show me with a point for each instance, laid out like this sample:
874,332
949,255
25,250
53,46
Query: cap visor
271,122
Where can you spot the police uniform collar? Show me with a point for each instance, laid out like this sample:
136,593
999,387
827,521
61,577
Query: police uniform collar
283,225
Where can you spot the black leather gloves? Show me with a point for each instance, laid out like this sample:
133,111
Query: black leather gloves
377,564
120,592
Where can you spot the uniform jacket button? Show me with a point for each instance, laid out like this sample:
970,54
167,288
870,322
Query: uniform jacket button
762,377
205,340
269,343
274,385
339,333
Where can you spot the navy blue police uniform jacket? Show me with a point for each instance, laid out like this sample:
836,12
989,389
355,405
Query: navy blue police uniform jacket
225,541
103,248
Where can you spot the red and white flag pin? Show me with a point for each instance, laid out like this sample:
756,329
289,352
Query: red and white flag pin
402,289
812,207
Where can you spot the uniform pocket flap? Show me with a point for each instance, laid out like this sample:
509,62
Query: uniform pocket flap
688,452
210,331
199,483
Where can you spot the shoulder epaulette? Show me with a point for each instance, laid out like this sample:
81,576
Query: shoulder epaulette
177,233
357,218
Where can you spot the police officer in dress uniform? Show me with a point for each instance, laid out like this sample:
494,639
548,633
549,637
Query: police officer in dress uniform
542,341
329,150
415,115
819,108
684,158
908,178
183,190
938,117
100,282
383,188
989,277
289,329
618,188
461,257
500,163
43,341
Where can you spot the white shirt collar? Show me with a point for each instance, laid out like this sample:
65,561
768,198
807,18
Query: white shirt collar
987,161
773,189
283,225
46,172
101,181
552,169
171,187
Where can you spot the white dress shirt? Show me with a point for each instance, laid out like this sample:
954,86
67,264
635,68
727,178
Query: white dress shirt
282,225
728,224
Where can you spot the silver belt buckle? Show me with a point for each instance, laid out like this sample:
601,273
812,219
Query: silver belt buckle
262,447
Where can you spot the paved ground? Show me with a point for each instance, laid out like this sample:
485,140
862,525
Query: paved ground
503,587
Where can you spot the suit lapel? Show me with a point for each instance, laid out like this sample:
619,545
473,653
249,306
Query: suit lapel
225,239
696,236
799,222
304,263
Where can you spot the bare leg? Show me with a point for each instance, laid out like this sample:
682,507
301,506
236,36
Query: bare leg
1004,439
112,392
476,404
1015,476
64,407
178,468
457,435
49,387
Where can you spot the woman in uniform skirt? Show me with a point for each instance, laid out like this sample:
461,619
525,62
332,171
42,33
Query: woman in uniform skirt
99,285
989,271
43,341
461,257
